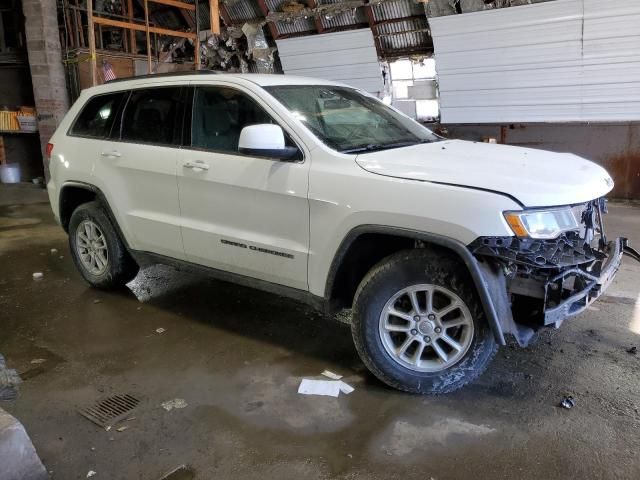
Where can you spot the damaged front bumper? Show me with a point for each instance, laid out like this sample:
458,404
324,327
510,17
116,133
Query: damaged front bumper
540,283
584,287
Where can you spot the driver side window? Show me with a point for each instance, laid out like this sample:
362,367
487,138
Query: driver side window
219,115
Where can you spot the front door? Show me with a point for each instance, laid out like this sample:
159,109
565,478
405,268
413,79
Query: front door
241,214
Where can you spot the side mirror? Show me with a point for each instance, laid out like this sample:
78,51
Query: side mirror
265,140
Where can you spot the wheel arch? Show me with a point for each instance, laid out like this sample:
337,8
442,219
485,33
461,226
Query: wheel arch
73,194
394,239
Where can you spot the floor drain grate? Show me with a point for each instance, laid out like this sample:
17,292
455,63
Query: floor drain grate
109,411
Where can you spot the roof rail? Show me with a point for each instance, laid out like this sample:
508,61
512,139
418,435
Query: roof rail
164,75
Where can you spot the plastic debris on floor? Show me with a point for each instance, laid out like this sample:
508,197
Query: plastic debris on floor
37,275
330,388
568,402
183,472
175,403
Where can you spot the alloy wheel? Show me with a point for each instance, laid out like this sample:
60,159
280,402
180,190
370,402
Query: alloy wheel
91,247
426,328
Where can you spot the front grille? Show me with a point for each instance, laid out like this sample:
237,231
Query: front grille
566,250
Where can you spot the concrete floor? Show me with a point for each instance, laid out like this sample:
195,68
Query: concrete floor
237,356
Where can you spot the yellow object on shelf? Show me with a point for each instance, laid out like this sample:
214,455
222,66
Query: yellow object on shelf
9,121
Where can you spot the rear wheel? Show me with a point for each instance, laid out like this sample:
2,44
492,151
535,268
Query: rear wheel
97,250
418,324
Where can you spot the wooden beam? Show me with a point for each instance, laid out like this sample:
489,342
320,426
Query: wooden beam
92,43
148,35
132,33
215,16
142,28
187,18
265,11
196,44
225,14
372,25
175,3
77,27
316,20
3,155
71,41
402,19
342,28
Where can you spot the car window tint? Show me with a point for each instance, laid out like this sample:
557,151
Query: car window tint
152,116
97,116
219,116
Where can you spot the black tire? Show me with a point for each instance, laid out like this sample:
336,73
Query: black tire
120,268
386,279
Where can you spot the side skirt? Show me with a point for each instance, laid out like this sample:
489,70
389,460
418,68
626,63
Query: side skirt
314,301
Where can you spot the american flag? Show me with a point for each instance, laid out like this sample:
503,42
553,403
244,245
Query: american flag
107,69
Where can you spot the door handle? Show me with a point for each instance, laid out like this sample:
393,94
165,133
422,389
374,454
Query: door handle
112,153
197,166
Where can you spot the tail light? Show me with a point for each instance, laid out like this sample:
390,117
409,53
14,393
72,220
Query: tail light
49,150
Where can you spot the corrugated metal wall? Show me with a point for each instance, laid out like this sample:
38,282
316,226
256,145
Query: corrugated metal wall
561,61
349,57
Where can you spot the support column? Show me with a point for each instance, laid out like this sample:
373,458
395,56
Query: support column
47,71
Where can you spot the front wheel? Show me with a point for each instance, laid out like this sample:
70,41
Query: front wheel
418,324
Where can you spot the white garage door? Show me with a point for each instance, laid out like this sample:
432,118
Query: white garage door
566,60
348,57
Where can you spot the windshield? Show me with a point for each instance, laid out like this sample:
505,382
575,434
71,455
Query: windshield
349,121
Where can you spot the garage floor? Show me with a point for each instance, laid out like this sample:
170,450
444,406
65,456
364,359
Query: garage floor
237,356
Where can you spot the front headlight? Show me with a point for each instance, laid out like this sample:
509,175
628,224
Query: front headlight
542,224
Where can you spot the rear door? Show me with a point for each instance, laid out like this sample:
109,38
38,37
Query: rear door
137,167
242,214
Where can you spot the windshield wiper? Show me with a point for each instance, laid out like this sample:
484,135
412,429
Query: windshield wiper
373,147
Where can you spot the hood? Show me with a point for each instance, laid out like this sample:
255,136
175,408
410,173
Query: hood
536,178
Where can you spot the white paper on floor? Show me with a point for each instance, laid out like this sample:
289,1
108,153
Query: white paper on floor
345,388
331,388
330,374
175,403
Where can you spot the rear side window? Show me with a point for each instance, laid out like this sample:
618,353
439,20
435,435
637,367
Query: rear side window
153,116
97,116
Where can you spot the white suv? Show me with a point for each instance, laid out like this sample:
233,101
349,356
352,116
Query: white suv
318,191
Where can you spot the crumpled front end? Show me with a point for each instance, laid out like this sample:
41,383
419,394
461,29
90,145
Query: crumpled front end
547,281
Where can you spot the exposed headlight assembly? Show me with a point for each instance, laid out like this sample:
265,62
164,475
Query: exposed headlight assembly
542,224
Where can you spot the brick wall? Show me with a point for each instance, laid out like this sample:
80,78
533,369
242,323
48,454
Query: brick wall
47,71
